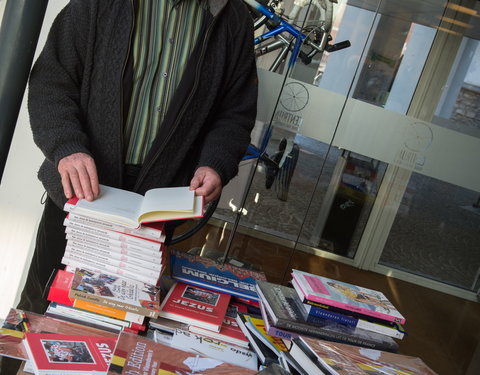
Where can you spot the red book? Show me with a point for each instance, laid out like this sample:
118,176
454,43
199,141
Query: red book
195,305
52,353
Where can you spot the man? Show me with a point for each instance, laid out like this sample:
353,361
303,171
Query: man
138,95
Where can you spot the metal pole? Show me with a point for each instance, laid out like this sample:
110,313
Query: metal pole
21,24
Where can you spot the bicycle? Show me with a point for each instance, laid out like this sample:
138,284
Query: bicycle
288,38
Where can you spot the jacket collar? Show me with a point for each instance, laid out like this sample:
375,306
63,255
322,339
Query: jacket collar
216,6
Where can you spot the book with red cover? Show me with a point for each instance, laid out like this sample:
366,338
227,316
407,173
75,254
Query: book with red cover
229,331
194,305
138,355
52,353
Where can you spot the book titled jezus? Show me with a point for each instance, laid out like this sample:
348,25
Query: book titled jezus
204,272
195,305
112,291
287,311
348,297
69,354
131,209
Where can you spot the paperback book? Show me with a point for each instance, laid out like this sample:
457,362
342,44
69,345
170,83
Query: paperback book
131,209
18,322
51,353
60,288
205,272
287,311
194,305
135,355
229,331
349,297
323,357
111,291
212,348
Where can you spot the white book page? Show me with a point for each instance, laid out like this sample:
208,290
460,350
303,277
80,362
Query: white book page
112,203
176,199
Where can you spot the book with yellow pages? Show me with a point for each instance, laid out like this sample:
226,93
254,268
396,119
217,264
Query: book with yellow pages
131,209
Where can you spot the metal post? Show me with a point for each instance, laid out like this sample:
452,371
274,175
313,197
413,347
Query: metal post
21,24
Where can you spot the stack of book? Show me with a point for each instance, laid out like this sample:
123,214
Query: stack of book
115,256
330,310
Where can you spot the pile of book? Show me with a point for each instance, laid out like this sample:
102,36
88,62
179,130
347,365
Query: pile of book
115,256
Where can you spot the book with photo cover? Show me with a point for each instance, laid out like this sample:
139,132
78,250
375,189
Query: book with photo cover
287,311
132,209
137,355
17,322
112,291
324,357
205,272
51,353
229,331
348,297
195,305
212,348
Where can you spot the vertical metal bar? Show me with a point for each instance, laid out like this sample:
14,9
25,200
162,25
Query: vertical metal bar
21,24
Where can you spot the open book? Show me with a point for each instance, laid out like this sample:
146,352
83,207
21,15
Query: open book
131,209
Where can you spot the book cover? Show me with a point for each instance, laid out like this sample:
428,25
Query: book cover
76,354
130,209
204,272
60,288
212,348
229,331
17,322
153,231
346,296
288,312
112,291
195,305
135,355
274,331
257,327
345,359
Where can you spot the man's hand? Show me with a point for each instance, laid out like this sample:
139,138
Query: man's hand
206,182
79,176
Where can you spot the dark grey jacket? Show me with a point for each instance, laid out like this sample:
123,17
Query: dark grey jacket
80,86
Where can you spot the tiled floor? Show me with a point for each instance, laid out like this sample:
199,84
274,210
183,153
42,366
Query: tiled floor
444,331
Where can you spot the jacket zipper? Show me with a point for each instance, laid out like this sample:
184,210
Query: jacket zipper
147,166
122,125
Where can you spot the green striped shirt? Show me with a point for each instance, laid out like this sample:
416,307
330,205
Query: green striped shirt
164,36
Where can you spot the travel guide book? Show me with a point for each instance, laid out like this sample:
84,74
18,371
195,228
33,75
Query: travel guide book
135,355
112,291
346,296
287,312
131,209
205,272
52,353
195,305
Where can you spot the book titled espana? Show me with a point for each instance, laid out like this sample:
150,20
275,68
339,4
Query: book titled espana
287,312
112,291
131,209
346,296
195,305
135,355
205,272
52,353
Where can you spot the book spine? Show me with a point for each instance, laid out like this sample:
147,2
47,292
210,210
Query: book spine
105,255
108,311
76,294
281,333
337,336
80,262
380,328
142,231
155,274
84,321
109,236
111,244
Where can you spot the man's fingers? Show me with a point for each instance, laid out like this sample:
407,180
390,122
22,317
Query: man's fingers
79,176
